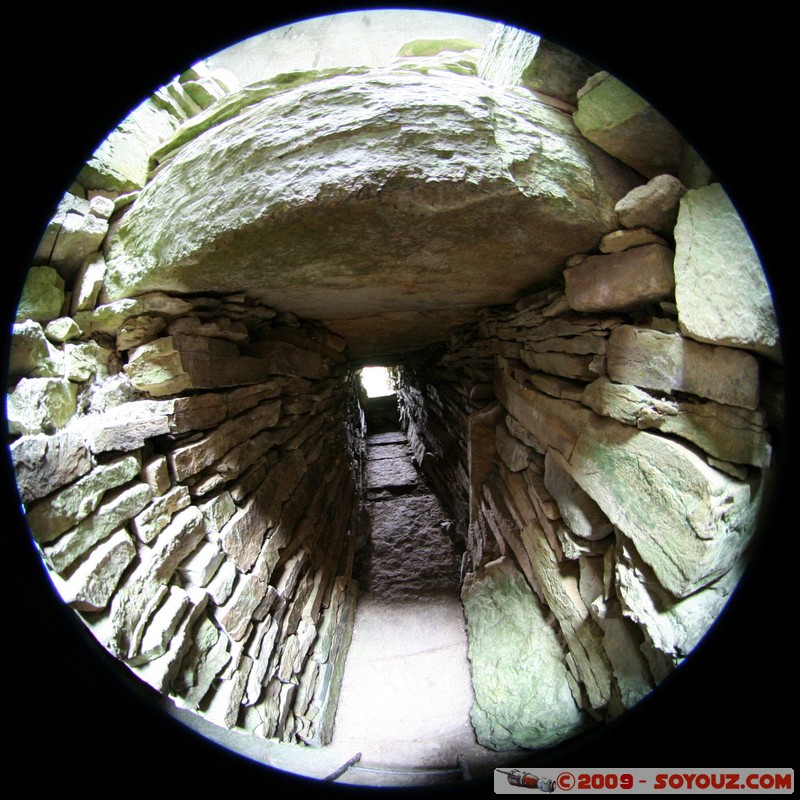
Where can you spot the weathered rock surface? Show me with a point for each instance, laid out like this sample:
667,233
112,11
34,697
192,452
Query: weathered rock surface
617,241
614,117
621,281
42,295
721,291
43,464
522,694
93,583
669,362
654,205
403,204
725,432
710,516
578,510
58,512
672,627
41,405
113,512
32,356
513,57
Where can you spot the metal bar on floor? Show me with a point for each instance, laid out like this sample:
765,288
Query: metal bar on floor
346,766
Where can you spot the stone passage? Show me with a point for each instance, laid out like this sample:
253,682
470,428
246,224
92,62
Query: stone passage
588,373
406,695
411,551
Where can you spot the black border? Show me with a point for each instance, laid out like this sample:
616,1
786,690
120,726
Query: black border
725,82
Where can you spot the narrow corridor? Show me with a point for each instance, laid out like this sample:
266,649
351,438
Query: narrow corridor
407,694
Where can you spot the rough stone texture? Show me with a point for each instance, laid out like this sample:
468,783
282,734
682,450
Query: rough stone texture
121,163
515,57
669,362
175,363
79,236
158,514
84,361
93,583
578,510
62,329
672,627
112,513
42,295
32,356
40,405
404,203
43,464
522,695
58,512
653,206
513,452
725,432
148,581
125,427
617,241
88,282
710,516
721,291
621,281
617,119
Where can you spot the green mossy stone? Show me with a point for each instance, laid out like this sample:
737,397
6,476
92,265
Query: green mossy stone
42,295
432,47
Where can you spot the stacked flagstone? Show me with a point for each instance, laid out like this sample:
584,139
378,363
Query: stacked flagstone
192,462
618,465
188,476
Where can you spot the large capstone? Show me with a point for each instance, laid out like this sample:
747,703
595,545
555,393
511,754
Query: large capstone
359,197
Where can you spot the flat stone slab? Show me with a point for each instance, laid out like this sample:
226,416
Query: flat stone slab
395,451
390,437
390,472
410,554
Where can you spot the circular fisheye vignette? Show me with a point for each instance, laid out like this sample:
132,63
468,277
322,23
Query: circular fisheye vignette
62,338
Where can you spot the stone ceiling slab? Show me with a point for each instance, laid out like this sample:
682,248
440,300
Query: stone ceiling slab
376,196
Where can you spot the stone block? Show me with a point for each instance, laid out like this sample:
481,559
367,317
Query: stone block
513,57
512,451
113,512
617,241
79,236
32,355
93,583
673,627
58,512
62,329
39,405
133,603
519,674
653,206
42,295
86,361
155,474
721,291
153,519
551,422
578,510
670,362
622,123
724,432
688,521
43,464
88,282
621,281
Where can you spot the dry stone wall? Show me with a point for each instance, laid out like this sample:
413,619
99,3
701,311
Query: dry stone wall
191,461
603,450
189,475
